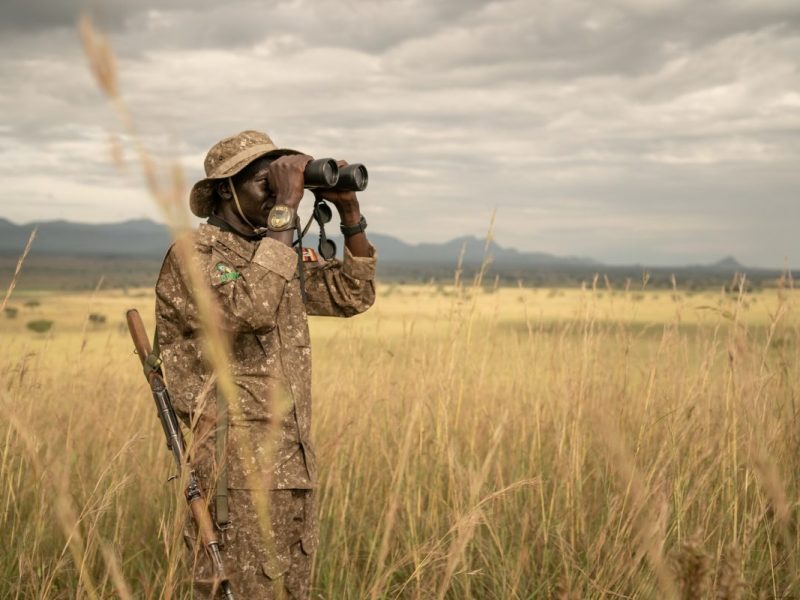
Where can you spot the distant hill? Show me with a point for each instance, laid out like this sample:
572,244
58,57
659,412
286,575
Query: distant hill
728,263
143,238
69,255
138,238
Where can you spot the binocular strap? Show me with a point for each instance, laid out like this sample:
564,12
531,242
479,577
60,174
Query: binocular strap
300,269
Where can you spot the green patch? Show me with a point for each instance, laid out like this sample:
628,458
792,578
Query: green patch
226,273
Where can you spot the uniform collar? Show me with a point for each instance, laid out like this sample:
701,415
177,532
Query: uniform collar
225,226
212,235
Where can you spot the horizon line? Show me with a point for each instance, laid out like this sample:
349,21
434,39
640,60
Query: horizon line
198,220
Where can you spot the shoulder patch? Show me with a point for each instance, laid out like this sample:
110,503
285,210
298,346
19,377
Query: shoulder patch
226,273
309,255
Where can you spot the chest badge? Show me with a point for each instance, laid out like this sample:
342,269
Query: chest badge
226,273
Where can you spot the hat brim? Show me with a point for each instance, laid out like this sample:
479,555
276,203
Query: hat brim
203,197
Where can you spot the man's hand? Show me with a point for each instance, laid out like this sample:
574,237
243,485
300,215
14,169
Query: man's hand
345,201
285,177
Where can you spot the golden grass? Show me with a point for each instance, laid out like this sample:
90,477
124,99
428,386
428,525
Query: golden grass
510,444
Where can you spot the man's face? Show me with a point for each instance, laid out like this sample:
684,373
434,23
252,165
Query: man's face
255,195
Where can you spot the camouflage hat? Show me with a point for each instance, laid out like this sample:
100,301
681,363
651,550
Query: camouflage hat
225,159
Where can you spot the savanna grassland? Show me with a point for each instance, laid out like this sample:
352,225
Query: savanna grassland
511,443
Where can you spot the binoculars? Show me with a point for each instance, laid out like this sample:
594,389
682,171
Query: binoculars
324,173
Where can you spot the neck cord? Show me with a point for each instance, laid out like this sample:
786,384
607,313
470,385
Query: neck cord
259,231
225,226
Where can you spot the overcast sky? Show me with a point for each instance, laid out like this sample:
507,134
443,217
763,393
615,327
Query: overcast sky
649,131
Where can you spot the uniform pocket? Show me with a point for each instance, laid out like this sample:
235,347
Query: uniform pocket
309,542
251,455
276,565
286,512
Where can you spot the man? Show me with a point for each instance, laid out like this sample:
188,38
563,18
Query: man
256,453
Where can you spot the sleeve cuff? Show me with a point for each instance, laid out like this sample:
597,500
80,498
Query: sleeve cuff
276,257
360,267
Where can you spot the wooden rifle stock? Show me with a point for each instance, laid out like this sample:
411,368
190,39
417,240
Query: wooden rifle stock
172,431
139,336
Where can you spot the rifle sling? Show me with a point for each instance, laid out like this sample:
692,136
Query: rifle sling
221,438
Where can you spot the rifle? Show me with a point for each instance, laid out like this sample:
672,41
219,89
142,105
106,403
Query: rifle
176,444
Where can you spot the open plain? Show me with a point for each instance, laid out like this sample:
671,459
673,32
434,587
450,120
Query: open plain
474,443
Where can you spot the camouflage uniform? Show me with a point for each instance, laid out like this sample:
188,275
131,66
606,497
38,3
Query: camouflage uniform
269,455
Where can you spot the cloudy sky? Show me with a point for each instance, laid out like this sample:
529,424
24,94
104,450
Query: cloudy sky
651,131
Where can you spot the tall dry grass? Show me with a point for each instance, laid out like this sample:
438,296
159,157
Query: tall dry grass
167,187
466,452
15,276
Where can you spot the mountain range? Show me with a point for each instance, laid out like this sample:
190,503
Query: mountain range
143,239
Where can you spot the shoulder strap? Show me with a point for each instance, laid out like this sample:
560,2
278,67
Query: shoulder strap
153,362
221,439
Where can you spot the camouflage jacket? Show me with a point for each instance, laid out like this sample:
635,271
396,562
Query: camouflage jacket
256,285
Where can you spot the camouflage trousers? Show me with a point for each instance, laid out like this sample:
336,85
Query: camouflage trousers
264,565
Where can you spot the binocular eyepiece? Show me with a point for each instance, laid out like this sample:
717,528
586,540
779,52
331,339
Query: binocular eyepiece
324,173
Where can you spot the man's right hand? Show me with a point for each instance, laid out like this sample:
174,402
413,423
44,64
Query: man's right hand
286,180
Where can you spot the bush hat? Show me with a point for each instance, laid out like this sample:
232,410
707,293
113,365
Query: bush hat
225,159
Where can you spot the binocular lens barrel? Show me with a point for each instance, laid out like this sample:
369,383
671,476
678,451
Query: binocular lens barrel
324,173
321,173
353,177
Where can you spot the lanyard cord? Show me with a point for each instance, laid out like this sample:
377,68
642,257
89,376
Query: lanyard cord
259,231
305,230
239,206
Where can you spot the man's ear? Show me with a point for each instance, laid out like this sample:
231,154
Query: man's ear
224,190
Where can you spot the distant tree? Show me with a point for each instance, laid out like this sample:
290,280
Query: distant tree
39,325
11,312
97,318
32,303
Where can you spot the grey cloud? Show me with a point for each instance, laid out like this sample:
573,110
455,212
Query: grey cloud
37,15
658,130
471,41
30,16
582,39
372,25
